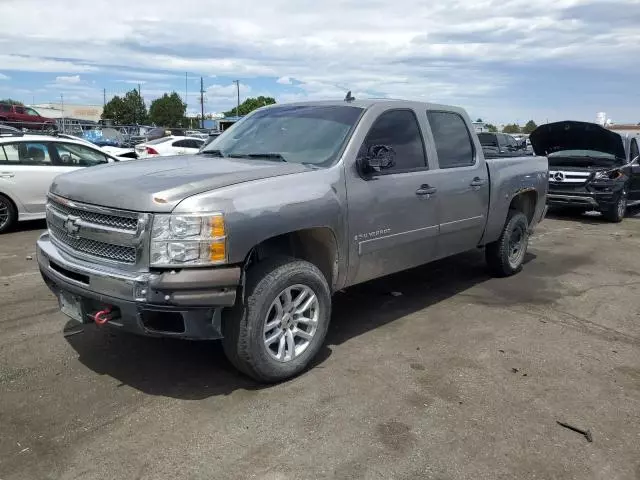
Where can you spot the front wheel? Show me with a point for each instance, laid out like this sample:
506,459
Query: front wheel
617,212
282,323
505,256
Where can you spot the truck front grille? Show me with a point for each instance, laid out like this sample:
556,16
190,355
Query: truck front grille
98,233
124,223
107,251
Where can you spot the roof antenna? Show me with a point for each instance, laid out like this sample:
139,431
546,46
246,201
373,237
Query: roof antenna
349,97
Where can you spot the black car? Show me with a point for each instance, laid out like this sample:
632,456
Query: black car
589,168
496,145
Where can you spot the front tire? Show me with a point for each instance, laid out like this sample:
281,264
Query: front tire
8,214
616,213
505,256
282,323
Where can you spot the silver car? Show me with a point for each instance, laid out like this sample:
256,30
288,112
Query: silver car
28,165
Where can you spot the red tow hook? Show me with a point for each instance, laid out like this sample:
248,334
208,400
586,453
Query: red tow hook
103,316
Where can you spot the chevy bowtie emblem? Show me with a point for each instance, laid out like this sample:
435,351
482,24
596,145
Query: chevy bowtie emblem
558,177
72,225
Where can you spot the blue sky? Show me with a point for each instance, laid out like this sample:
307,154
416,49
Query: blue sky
505,61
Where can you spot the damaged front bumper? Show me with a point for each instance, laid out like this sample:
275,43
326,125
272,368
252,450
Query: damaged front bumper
186,303
596,197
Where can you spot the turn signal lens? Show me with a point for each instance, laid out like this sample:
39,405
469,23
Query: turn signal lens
216,224
217,251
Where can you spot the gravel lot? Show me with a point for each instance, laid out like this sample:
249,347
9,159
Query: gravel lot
460,377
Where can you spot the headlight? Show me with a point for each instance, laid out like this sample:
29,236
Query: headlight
608,175
183,240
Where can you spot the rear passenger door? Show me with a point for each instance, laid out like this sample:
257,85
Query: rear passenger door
463,184
29,169
393,214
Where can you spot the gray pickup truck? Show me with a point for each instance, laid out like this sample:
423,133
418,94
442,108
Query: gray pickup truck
248,240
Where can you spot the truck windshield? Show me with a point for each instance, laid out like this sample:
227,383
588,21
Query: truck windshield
312,134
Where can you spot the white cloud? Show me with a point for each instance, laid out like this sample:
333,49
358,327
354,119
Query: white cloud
4,77
69,80
284,81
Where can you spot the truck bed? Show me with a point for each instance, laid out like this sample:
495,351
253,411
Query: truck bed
508,177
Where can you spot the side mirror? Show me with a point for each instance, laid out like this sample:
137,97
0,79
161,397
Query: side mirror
378,158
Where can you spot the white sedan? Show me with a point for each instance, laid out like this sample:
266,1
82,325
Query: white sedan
167,146
28,165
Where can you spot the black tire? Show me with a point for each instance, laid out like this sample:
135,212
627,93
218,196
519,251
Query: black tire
8,214
243,326
500,254
616,213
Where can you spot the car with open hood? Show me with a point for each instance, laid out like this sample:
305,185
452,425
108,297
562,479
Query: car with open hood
589,168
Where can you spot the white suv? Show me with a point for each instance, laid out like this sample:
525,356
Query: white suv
28,165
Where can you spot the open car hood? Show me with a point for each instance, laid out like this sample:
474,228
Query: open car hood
572,135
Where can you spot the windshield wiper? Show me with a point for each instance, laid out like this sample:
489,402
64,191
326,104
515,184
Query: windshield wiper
267,155
213,153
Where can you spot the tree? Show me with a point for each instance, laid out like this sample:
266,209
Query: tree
492,128
168,110
529,127
11,101
127,110
511,128
249,105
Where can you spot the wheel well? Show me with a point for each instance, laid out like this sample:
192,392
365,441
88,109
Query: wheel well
11,200
525,202
315,245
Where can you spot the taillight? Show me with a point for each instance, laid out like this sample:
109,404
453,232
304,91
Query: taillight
151,151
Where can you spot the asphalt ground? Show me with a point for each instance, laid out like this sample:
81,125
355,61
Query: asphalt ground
441,372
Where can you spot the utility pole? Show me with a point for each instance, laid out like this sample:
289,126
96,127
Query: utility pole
237,82
62,108
104,97
186,90
201,103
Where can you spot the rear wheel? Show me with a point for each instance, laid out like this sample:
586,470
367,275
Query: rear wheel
8,214
617,212
281,324
505,257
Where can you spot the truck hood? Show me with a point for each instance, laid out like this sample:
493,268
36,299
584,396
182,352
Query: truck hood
159,184
571,135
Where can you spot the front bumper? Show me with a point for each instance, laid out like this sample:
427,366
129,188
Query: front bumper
586,197
186,303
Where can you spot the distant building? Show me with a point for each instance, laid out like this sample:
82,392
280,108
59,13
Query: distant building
480,127
91,113
625,129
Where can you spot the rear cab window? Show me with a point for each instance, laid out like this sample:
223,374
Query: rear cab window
399,132
452,139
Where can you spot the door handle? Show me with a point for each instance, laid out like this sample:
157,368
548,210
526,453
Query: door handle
7,175
426,190
477,182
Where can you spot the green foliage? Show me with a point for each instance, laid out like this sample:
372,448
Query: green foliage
492,128
511,128
249,105
168,111
529,127
11,101
127,110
